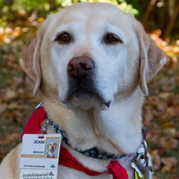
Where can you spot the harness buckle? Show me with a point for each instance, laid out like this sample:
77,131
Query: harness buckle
140,163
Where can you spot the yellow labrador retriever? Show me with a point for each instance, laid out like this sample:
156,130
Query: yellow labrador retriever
91,63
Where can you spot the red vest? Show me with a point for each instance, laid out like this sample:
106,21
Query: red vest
66,159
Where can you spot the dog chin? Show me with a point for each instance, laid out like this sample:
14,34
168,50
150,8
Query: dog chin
86,103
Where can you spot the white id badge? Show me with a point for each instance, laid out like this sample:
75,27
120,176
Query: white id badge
40,156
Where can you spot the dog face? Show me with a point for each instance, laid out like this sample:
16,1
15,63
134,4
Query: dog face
51,147
89,54
96,61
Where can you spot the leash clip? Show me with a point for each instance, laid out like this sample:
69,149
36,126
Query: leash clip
45,124
140,163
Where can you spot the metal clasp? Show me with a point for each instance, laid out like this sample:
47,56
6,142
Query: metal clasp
141,163
44,125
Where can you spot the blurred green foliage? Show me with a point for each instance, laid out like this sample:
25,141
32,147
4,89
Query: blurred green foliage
154,14
10,8
47,6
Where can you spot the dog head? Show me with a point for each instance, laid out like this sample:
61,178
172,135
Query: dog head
51,147
88,54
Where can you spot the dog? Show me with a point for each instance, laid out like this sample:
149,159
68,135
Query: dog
90,64
51,150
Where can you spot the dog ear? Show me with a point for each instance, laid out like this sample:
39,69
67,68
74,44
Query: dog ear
152,58
55,145
48,146
30,57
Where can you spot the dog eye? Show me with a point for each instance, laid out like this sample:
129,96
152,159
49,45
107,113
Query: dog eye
63,38
112,39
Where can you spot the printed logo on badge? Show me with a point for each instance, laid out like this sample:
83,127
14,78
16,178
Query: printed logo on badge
40,156
38,174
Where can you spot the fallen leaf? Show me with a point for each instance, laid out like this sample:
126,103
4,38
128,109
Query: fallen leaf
163,143
17,113
156,160
148,116
169,161
9,138
166,169
170,112
10,94
12,105
162,105
154,177
169,131
17,80
173,143
3,107
168,125
164,95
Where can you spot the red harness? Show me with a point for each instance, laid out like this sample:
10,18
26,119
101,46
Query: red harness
66,159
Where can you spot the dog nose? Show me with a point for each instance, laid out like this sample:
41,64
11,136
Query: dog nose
80,67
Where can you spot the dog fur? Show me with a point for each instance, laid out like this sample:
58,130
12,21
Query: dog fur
122,71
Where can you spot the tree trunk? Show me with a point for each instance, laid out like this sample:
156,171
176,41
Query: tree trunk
163,16
171,22
148,11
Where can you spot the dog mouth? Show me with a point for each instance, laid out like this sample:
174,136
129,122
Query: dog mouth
52,150
83,94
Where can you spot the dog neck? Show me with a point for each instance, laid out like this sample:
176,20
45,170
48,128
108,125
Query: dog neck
50,154
116,130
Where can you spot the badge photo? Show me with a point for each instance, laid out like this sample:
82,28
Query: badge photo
51,147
